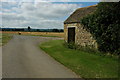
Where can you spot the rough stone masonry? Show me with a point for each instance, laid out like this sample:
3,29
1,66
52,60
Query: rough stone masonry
81,35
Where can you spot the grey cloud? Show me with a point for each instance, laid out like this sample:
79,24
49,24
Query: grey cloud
38,15
12,17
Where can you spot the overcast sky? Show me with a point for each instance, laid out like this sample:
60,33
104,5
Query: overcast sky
37,14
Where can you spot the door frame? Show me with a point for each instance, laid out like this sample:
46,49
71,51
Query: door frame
68,34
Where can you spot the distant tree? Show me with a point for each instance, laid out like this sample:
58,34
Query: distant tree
61,30
29,28
38,30
55,30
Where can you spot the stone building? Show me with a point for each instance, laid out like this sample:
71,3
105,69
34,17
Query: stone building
75,32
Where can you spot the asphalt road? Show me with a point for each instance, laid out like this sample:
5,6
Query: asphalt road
22,58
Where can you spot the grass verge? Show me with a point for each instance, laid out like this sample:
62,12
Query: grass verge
87,65
4,38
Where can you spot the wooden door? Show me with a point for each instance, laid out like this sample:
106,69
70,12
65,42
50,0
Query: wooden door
71,34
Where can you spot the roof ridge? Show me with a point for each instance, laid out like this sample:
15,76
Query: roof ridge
79,13
86,7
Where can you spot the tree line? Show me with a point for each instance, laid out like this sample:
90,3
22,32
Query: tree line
29,29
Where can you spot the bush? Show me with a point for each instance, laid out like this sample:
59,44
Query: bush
104,24
88,49
70,45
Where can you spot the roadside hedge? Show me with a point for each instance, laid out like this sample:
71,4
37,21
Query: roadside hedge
104,24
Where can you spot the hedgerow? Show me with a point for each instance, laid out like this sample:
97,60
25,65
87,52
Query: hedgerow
104,25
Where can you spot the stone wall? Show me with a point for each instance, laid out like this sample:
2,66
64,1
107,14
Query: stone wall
82,36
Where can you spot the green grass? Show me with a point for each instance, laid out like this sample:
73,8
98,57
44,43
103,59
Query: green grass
87,65
4,38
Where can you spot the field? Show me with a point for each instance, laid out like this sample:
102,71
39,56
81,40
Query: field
46,34
5,36
85,64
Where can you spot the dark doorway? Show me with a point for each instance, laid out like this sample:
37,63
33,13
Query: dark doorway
71,34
